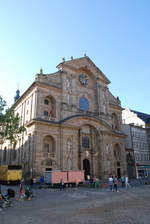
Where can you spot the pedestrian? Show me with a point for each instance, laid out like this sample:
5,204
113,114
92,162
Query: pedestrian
77,182
1,201
41,181
97,183
94,181
91,181
62,185
34,181
115,181
126,182
110,183
123,181
21,191
28,193
22,181
88,177
31,182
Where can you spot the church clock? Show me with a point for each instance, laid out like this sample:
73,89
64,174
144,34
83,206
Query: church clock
83,79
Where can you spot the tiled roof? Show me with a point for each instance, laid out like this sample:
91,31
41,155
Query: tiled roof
143,116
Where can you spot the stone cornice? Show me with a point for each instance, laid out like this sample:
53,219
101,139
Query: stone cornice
63,125
63,121
33,85
113,133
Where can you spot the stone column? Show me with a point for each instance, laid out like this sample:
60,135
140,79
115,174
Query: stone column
123,158
35,104
34,149
100,99
31,106
101,155
61,147
75,150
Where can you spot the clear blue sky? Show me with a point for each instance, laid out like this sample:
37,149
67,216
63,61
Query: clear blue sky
115,34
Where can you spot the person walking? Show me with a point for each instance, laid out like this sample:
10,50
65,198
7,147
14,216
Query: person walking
31,182
21,191
91,181
126,182
41,181
115,180
94,181
110,183
123,181
34,182
62,185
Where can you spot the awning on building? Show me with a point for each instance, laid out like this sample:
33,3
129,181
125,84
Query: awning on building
143,166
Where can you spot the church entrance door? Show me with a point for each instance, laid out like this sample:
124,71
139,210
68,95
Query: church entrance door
86,168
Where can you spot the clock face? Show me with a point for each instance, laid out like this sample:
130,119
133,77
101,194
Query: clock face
83,79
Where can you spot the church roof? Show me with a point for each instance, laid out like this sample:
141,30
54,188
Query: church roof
143,116
70,62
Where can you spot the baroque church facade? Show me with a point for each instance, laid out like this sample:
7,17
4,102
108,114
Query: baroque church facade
72,121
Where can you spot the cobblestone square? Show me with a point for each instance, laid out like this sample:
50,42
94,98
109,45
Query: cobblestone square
81,205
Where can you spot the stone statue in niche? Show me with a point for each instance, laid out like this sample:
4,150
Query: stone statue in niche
107,148
68,84
69,154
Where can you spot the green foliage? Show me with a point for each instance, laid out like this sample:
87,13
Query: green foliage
2,104
12,128
9,124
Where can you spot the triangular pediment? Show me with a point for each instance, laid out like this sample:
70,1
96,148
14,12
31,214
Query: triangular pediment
84,64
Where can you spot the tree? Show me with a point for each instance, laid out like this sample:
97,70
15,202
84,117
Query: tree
2,106
10,127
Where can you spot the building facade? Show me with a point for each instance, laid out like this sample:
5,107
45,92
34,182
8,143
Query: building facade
136,128
72,122
130,156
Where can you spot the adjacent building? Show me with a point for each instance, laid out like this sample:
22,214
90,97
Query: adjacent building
136,127
72,122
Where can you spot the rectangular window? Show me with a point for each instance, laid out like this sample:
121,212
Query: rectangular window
46,102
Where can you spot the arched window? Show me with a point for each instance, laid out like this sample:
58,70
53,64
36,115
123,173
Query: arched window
48,145
83,104
85,142
115,122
